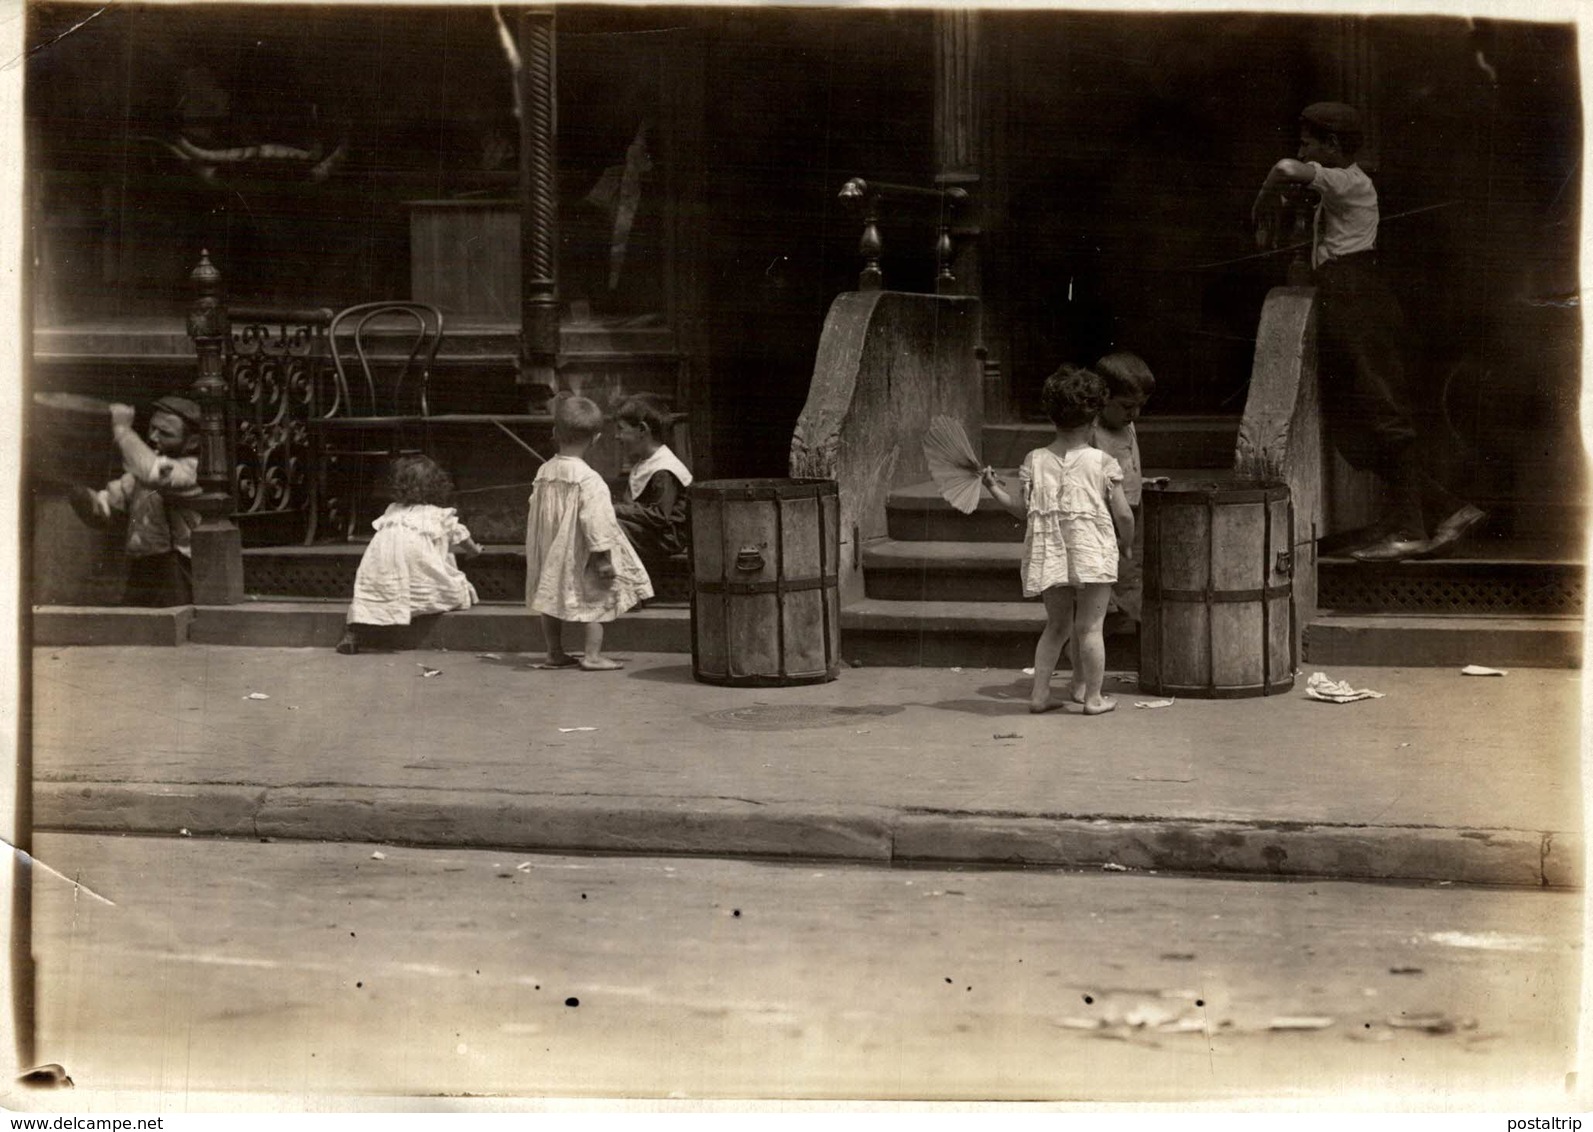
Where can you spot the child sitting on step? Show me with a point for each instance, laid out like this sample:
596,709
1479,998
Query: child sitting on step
579,566
652,508
409,568
1078,525
1129,384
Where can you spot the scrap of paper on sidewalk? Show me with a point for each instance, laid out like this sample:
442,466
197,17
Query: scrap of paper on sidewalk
1479,670
1154,703
1324,688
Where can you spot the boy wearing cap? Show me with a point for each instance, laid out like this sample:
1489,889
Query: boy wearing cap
1365,392
158,476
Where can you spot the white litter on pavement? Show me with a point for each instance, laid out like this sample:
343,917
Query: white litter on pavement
956,670
1325,688
1155,703
1479,670
567,730
1113,867
424,671
1303,1022
488,656
1491,941
1081,1023
378,856
257,696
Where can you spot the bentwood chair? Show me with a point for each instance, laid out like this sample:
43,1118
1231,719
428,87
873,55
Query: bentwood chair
382,357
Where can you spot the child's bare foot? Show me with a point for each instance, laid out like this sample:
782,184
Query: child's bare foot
599,664
1100,705
349,645
1037,707
1077,692
558,660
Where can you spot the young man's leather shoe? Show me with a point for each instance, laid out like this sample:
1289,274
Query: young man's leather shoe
1453,529
1391,548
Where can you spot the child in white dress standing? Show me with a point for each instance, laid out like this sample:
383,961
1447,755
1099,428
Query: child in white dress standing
409,568
579,566
1078,523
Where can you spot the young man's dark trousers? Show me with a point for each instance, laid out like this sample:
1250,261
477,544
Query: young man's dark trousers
1367,400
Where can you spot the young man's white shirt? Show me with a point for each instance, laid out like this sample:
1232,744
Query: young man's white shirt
1346,220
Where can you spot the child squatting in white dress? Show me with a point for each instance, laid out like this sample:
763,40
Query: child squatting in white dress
409,567
579,566
1078,524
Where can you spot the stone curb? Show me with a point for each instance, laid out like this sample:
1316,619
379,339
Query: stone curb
1504,857
730,827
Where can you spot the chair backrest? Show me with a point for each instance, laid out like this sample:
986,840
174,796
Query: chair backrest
392,344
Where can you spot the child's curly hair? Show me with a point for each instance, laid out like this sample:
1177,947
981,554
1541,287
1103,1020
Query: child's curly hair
576,419
420,479
1073,396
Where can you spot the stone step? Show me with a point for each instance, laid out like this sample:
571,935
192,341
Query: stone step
1484,578
1406,641
961,634
918,512
491,627
1172,441
1500,580
943,571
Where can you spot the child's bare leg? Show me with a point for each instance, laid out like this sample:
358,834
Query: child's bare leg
593,659
1089,613
1058,619
1076,690
553,637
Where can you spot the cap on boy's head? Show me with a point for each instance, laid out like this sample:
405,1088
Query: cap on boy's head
1334,118
180,407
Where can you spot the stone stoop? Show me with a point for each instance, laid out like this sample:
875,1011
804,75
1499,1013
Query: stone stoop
943,589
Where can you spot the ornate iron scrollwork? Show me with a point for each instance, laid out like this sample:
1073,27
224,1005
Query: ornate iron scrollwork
278,378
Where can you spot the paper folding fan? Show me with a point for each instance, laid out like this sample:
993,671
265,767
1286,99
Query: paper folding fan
952,463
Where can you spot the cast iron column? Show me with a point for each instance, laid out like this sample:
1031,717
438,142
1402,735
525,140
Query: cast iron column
539,207
217,542
959,152
958,123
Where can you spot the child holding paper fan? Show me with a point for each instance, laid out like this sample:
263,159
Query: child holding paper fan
1078,525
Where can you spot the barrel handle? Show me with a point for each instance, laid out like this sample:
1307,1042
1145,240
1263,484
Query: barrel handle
749,559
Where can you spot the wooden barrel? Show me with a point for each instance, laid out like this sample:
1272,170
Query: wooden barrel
1218,614
765,603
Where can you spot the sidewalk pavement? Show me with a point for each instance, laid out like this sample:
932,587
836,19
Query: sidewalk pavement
1447,778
